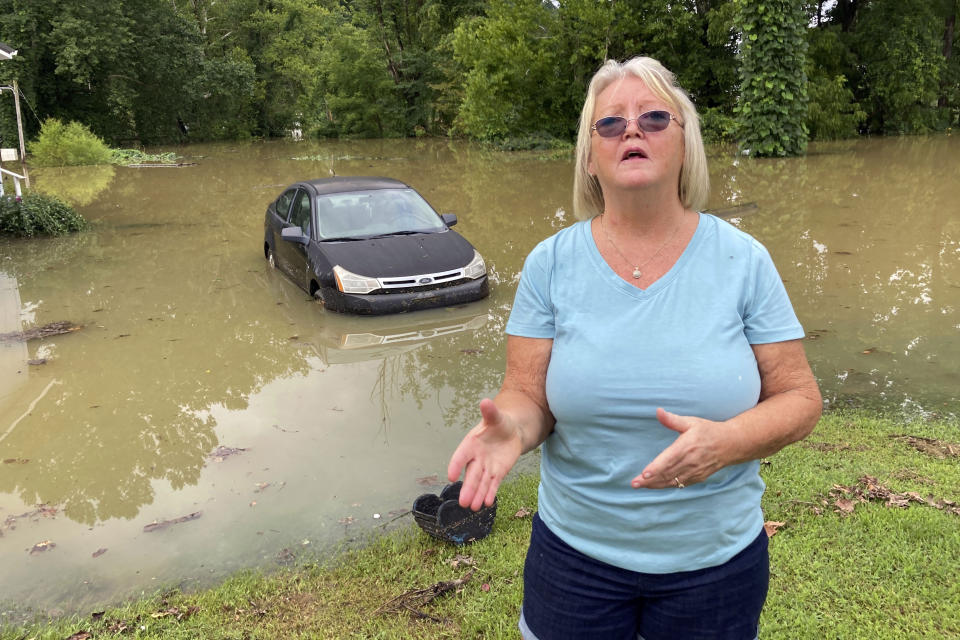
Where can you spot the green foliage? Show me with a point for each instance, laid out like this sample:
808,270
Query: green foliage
773,87
358,96
141,71
832,70
717,125
71,144
832,112
138,156
510,58
900,44
38,214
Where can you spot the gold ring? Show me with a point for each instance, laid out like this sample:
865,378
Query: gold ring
680,485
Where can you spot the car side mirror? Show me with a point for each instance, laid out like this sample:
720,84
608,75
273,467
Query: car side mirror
449,219
294,234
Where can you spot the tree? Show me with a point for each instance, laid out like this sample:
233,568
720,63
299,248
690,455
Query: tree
900,46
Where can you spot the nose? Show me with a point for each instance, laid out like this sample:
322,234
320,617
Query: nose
636,126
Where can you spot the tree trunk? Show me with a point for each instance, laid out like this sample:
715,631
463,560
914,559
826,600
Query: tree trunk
846,11
386,45
948,32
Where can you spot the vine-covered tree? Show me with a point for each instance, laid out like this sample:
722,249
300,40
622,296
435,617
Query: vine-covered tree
773,83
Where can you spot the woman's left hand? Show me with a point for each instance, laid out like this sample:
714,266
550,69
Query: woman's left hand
697,453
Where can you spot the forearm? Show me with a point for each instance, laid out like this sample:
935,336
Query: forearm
775,422
528,414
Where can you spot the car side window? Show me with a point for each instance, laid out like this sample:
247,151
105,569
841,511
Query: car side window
283,204
300,214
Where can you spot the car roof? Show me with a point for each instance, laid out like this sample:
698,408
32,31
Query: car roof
324,186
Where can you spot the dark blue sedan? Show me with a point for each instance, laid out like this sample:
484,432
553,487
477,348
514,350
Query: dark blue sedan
371,246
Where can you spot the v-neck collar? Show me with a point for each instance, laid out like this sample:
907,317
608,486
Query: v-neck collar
609,275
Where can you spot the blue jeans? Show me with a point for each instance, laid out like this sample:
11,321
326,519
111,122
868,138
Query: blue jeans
569,595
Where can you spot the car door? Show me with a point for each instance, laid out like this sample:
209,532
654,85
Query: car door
277,215
293,255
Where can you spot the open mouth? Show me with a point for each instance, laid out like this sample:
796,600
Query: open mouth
634,154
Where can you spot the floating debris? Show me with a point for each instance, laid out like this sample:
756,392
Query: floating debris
163,524
221,453
37,362
99,552
286,556
47,330
430,481
163,165
40,547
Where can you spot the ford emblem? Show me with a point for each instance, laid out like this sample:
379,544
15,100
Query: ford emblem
426,280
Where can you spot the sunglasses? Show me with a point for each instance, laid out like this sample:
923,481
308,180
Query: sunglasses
649,122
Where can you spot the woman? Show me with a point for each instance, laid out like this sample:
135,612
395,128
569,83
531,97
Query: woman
654,353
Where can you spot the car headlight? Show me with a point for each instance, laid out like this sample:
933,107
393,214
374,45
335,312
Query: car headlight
476,268
348,282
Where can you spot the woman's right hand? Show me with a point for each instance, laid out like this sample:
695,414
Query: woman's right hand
487,452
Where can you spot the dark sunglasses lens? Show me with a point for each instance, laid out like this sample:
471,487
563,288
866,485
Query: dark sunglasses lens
654,121
610,126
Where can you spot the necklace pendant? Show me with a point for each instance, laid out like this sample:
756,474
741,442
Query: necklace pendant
637,273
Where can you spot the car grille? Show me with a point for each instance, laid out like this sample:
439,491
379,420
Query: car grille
422,282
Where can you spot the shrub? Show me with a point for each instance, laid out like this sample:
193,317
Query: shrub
60,145
38,214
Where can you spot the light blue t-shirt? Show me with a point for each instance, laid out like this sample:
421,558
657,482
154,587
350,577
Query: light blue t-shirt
620,352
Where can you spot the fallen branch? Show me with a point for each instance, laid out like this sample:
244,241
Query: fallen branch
413,598
47,330
163,524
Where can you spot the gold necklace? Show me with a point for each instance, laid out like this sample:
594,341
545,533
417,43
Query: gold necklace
636,269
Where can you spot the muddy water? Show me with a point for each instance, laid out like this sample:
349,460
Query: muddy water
206,391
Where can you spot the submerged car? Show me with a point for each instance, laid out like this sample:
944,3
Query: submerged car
371,246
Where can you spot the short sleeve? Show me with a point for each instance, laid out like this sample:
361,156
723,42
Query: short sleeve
768,315
532,315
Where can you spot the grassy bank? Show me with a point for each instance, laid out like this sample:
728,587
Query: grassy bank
868,547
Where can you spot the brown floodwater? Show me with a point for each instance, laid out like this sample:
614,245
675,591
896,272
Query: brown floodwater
208,416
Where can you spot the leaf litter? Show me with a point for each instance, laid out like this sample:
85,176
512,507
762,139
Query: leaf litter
844,499
931,446
41,511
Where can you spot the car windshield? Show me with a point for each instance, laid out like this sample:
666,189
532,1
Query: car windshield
377,212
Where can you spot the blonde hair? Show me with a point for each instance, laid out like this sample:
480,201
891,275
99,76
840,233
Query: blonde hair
694,178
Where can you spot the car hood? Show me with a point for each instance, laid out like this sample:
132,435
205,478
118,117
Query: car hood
394,256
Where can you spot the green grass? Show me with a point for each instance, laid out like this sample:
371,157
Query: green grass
878,572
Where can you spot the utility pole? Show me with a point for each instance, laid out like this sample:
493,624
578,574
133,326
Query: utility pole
16,103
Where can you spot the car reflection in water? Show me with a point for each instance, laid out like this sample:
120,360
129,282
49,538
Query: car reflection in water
341,342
